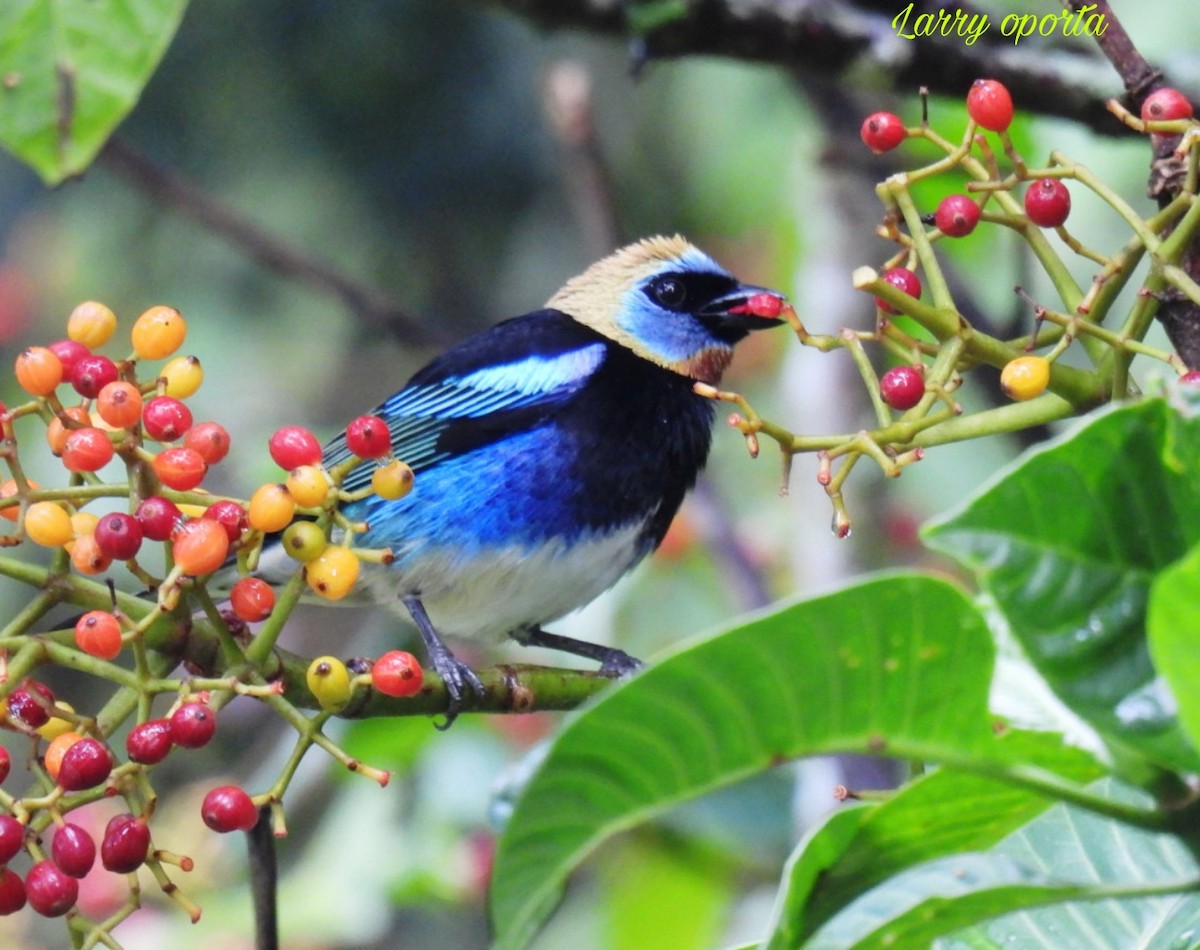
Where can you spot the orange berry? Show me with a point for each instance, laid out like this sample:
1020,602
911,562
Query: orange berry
38,370
183,375
120,404
86,556
200,546
333,574
91,324
98,634
393,480
308,485
55,751
48,524
210,440
179,468
7,490
87,450
57,431
271,508
158,332
252,599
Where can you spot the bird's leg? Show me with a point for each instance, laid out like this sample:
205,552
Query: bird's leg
611,659
457,676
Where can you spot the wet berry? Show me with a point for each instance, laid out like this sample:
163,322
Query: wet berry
193,725
903,280
397,673
149,742
73,850
956,216
1047,203
231,515
990,105
50,891
98,634
159,517
12,838
87,450
200,546
86,764
179,468
126,844
119,535
31,703
902,387
91,374
228,808
252,599
293,446
881,132
166,419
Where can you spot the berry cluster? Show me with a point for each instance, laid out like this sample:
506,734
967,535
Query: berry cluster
126,434
923,330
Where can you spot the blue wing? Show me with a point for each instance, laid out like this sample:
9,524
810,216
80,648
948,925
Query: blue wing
495,384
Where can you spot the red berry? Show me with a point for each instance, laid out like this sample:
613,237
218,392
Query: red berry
12,838
209,440
228,808
903,280
200,546
5,763
158,517
51,892
990,105
166,418
87,450
69,353
902,387
98,634
149,742
1162,105
126,844
1190,378
368,437
957,216
179,468
86,764
230,515
33,710
193,725
12,892
252,599
397,673
119,535
293,446
882,131
91,374
73,850
1047,203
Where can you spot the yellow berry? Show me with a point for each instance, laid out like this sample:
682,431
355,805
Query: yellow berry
333,574
57,748
309,485
271,508
91,324
158,332
329,681
184,375
305,541
1025,377
393,480
54,727
83,523
48,524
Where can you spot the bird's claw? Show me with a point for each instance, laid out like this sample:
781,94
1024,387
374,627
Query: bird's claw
459,678
619,663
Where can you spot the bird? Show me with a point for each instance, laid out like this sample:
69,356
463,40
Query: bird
551,451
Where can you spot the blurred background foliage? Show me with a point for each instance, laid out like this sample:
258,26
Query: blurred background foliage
408,144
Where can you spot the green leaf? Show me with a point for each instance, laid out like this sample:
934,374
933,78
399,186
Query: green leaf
942,813
1068,542
1077,846
71,71
1173,625
898,665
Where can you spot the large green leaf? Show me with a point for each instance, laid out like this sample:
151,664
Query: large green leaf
72,70
1068,542
898,665
1173,624
942,813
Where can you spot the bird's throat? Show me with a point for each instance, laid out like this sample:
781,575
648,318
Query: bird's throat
707,366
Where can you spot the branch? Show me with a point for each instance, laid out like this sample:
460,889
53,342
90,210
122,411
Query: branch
172,190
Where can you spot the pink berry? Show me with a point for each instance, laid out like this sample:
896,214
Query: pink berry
209,440
73,850
12,838
882,131
166,418
1190,378
193,725
12,892
126,844
902,279
368,437
228,808
1047,203
293,446
159,517
69,353
51,892
91,374
231,516
24,706
85,765
118,535
990,104
149,741
956,216
902,387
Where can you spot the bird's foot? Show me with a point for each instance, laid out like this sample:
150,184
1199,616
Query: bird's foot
459,679
619,663
612,661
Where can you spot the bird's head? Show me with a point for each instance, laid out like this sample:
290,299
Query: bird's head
670,303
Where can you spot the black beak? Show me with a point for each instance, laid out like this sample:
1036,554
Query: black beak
743,309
